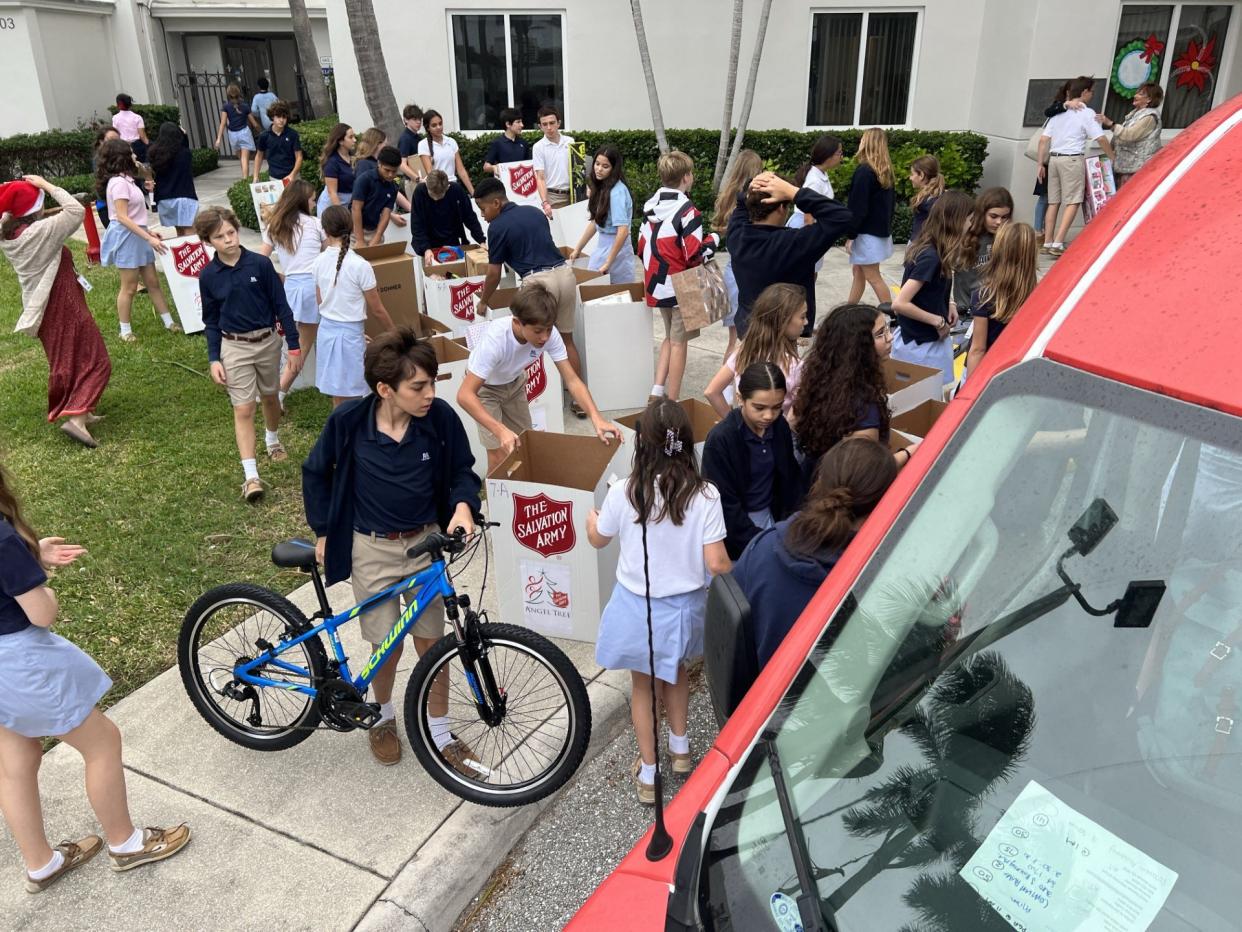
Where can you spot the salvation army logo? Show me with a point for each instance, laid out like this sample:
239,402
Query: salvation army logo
541,590
536,379
189,259
522,180
461,300
543,524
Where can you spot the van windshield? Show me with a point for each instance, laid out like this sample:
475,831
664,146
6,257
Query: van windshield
1064,773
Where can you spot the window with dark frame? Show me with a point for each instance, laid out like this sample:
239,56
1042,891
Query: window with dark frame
507,59
860,82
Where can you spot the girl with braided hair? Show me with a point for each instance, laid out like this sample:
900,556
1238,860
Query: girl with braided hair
346,290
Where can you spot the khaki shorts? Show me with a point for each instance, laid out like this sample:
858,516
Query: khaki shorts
1066,179
675,327
558,198
380,563
507,404
251,369
564,287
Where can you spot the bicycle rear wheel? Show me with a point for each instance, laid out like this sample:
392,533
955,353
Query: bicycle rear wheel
538,743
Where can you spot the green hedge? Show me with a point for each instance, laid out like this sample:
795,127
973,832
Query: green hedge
204,160
153,115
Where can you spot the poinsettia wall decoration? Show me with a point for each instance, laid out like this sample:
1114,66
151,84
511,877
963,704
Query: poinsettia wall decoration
1194,67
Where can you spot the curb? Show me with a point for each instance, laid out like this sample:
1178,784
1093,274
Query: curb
472,842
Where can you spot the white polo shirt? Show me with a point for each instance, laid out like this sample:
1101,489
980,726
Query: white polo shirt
498,358
1072,131
552,158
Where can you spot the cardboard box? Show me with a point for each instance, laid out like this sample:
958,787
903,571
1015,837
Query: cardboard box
182,262
581,272
548,576
394,276
909,385
703,418
476,260
449,295
914,424
614,341
430,327
568,223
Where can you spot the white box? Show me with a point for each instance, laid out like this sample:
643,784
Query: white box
568,223
451,299
548,576
909,385
182,262
614,342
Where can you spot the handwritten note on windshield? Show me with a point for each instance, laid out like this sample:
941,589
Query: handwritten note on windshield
1046,867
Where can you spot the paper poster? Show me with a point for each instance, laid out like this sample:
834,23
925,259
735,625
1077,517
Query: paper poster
546,597
264,195
520,183
1046,867
185,258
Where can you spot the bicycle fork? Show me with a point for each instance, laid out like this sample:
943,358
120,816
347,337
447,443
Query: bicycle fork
489,699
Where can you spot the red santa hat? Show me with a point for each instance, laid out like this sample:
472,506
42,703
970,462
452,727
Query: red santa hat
20,198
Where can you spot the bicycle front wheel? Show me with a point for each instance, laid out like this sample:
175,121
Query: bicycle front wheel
540,739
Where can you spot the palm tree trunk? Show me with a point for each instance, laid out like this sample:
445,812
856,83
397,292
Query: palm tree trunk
735,48
750,82
308,60
657,118
376,87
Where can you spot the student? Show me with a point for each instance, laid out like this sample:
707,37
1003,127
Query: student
440,215
928,186
336,165
922,306
1007,281
176,198
1058,105
280,144
826,155
1062,148
388,470
746,166
519,237
101,202
871,202
50,690
611,207
776,322
369,144
407,144
243,301
671,528
764,251
131,126
375,195
127,244
346,291
750,458
843,392
237,118
296,235
261,102
993,209
494,390
551,157
440,151
509,146
785,565
672,240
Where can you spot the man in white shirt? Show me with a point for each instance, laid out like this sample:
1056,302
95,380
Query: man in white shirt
551,157
1062,149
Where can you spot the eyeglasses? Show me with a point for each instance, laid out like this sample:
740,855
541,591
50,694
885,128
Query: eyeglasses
885,334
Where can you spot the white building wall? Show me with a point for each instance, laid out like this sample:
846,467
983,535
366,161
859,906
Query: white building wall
76,48
23,108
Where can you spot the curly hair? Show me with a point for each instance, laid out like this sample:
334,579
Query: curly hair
841,376
115,157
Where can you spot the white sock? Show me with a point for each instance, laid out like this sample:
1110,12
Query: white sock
251,469
281,396
646,773
440,730
387,711
167,319
271,437
48,869
678,744
657,391
126,329
131,845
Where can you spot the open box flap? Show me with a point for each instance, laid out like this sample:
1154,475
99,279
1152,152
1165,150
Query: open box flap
574,461
384,251
591,292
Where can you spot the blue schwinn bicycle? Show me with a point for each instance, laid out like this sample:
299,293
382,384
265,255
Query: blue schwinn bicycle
256,669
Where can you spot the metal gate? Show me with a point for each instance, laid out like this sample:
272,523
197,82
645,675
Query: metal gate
202,98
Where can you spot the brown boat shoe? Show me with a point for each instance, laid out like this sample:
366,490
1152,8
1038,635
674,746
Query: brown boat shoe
157,844
385,745
76,853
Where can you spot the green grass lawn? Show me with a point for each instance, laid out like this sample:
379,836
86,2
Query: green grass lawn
158,504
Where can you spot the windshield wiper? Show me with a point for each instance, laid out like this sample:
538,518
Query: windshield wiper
815,913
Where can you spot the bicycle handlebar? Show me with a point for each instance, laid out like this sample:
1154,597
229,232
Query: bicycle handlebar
436,544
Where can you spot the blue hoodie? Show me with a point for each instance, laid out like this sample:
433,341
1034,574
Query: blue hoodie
778,585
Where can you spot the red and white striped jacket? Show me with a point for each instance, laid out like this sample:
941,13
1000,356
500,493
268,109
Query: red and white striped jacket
672,240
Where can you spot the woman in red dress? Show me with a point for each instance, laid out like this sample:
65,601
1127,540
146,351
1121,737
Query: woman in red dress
53,301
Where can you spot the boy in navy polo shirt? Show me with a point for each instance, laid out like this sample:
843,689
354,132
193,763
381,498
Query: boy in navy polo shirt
281,144
388,470
243,300
509,146
375,193
407,143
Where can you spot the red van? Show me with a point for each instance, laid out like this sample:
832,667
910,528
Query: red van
1016,703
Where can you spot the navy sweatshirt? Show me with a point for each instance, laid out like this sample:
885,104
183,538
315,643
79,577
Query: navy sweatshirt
763,255
871,205
328,477
444,222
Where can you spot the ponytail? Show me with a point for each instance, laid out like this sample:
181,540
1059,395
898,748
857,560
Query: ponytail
849,482
340,259
825,522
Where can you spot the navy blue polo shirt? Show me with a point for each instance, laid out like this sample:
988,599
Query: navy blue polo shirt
504,149
933,297
340,169
762,470
521,238
19,573
376,195
408,142
394,482
237,114
280,151
987,310
243,297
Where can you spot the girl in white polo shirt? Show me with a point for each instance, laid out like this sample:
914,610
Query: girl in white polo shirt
440,151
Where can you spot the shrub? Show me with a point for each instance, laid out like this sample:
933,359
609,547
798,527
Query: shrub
205,160
240,201
52,154
155,114
76,184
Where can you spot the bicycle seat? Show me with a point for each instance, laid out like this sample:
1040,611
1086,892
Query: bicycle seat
297,553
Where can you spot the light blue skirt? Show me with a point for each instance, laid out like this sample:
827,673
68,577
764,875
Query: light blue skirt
177,211
324,203
731,288
676,623
300,293
870,250
120,247
339,349
621,272
241,139
938,354
761,519
50,686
